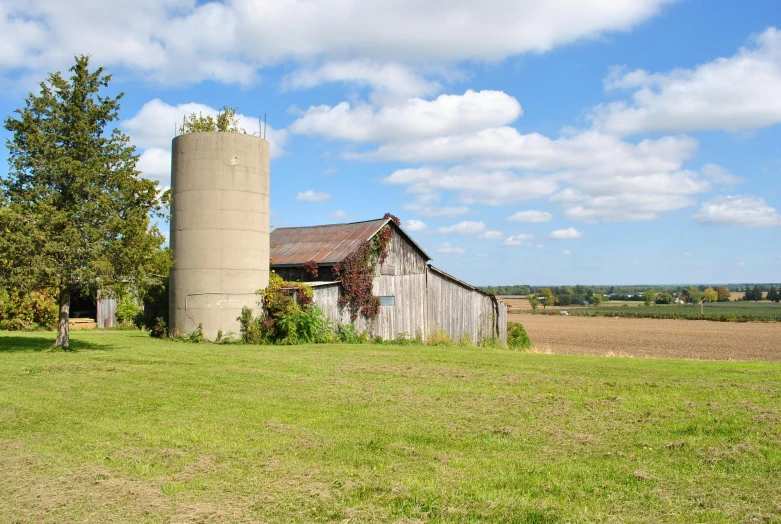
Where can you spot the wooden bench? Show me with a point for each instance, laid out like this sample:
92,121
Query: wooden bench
82,323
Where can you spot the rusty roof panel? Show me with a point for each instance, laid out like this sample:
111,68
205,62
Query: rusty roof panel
327,244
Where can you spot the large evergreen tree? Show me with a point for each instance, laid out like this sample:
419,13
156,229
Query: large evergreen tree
74,212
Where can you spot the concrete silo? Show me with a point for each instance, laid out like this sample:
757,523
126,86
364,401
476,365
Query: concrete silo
219,229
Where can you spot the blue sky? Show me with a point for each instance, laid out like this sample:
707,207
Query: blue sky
539,142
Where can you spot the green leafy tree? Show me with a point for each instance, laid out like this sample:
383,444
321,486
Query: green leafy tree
710,295
695,295
533,302
74,213
596,299
723,294
649,296
226,122
550,299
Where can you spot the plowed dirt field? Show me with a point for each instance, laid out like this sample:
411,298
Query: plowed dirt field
652,338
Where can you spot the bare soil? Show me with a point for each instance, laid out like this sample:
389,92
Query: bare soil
652,338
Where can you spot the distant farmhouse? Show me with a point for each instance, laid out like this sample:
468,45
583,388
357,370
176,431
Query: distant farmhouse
416,298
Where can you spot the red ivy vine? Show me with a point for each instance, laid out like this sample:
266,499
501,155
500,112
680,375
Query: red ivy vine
356,272
311,268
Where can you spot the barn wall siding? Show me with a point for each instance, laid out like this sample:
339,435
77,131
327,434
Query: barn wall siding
424,299
460,310
107,312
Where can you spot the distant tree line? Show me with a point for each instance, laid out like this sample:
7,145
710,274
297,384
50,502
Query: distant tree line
593,295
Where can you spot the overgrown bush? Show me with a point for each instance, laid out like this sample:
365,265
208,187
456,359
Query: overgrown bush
34,310
517,338
154,314
127,309
289,316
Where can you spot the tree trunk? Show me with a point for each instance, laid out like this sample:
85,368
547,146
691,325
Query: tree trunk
63,328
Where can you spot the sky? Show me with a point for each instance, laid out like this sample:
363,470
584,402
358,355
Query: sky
539,142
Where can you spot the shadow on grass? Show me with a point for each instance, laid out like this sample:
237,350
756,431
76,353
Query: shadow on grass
12,344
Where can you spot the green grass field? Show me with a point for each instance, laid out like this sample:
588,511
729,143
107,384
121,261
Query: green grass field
720,311
131,429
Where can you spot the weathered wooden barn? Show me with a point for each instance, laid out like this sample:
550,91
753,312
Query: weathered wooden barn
416,298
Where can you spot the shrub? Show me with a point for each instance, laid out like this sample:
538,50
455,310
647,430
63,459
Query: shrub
37,309
439,337
517,338
127,309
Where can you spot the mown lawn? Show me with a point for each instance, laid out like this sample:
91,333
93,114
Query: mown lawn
130,429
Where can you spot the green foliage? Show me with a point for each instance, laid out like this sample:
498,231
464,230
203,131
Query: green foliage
226,122
649,297
127,309
596,299
773,294
754,294
33,310
346,333
710,295
517,338
154,314
533,302
74,213
289,316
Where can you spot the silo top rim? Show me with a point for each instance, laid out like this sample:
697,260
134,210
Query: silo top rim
220,134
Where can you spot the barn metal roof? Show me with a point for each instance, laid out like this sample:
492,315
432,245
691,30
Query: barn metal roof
326,244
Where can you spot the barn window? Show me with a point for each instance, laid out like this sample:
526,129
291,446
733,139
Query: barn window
387,301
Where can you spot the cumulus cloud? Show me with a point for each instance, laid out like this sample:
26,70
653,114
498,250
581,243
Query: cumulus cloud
410,119
178,41
463,228
339,214
720,175
566,252
531,216
395,79
413,225
449,249
312,196
492,235
565,234
739,92
738,210
474,185
517,240
154,126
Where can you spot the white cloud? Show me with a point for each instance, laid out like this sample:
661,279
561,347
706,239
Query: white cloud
739,210
720,175
531,216
413,226
339,214
434,211
447,248
566,252
177,41
492,235
565,234
739,92
409,119
517,240
540,246
312,196
395,79
625,207
474,185
155,125
463,228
